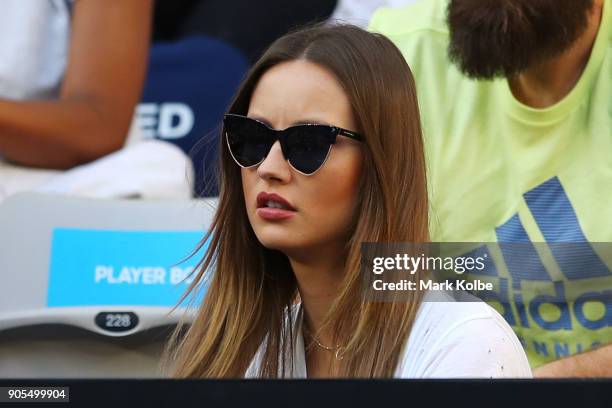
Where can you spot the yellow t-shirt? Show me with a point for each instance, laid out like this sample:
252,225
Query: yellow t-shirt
500,171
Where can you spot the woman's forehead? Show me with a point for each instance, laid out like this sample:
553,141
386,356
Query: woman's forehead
297,92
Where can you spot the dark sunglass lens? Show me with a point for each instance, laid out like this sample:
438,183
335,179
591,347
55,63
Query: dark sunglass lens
308,147
248,140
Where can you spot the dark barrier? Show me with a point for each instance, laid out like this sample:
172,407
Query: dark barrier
323,393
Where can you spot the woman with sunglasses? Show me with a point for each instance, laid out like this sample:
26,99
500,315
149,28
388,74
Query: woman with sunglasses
322,150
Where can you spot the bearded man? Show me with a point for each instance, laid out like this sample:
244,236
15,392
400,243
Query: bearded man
516,100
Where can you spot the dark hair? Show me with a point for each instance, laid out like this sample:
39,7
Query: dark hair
501,38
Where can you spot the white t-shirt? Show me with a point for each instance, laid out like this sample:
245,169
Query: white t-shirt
34,42
449,339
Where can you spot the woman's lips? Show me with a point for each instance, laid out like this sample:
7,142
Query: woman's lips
267,207
273,214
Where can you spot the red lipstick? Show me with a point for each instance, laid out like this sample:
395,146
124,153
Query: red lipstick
273,207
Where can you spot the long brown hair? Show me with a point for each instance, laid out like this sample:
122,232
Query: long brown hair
253,287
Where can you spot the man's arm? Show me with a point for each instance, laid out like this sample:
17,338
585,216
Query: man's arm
594,363
103,82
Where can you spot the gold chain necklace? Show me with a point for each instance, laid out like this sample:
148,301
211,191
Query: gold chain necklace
339,350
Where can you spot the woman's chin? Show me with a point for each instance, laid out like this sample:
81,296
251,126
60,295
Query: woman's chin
283,242
276,245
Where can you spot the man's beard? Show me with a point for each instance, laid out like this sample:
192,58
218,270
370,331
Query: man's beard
501,38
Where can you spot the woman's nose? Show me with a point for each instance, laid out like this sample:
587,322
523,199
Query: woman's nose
274,166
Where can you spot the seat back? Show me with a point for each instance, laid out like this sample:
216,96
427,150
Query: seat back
93,283
189,86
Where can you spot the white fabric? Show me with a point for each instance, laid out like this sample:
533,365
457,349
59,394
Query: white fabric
34,43
359,12
448,340
148,170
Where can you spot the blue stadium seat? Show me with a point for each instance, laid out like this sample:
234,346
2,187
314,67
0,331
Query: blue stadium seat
189,86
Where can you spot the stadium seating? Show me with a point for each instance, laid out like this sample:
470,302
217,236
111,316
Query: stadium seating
88,286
